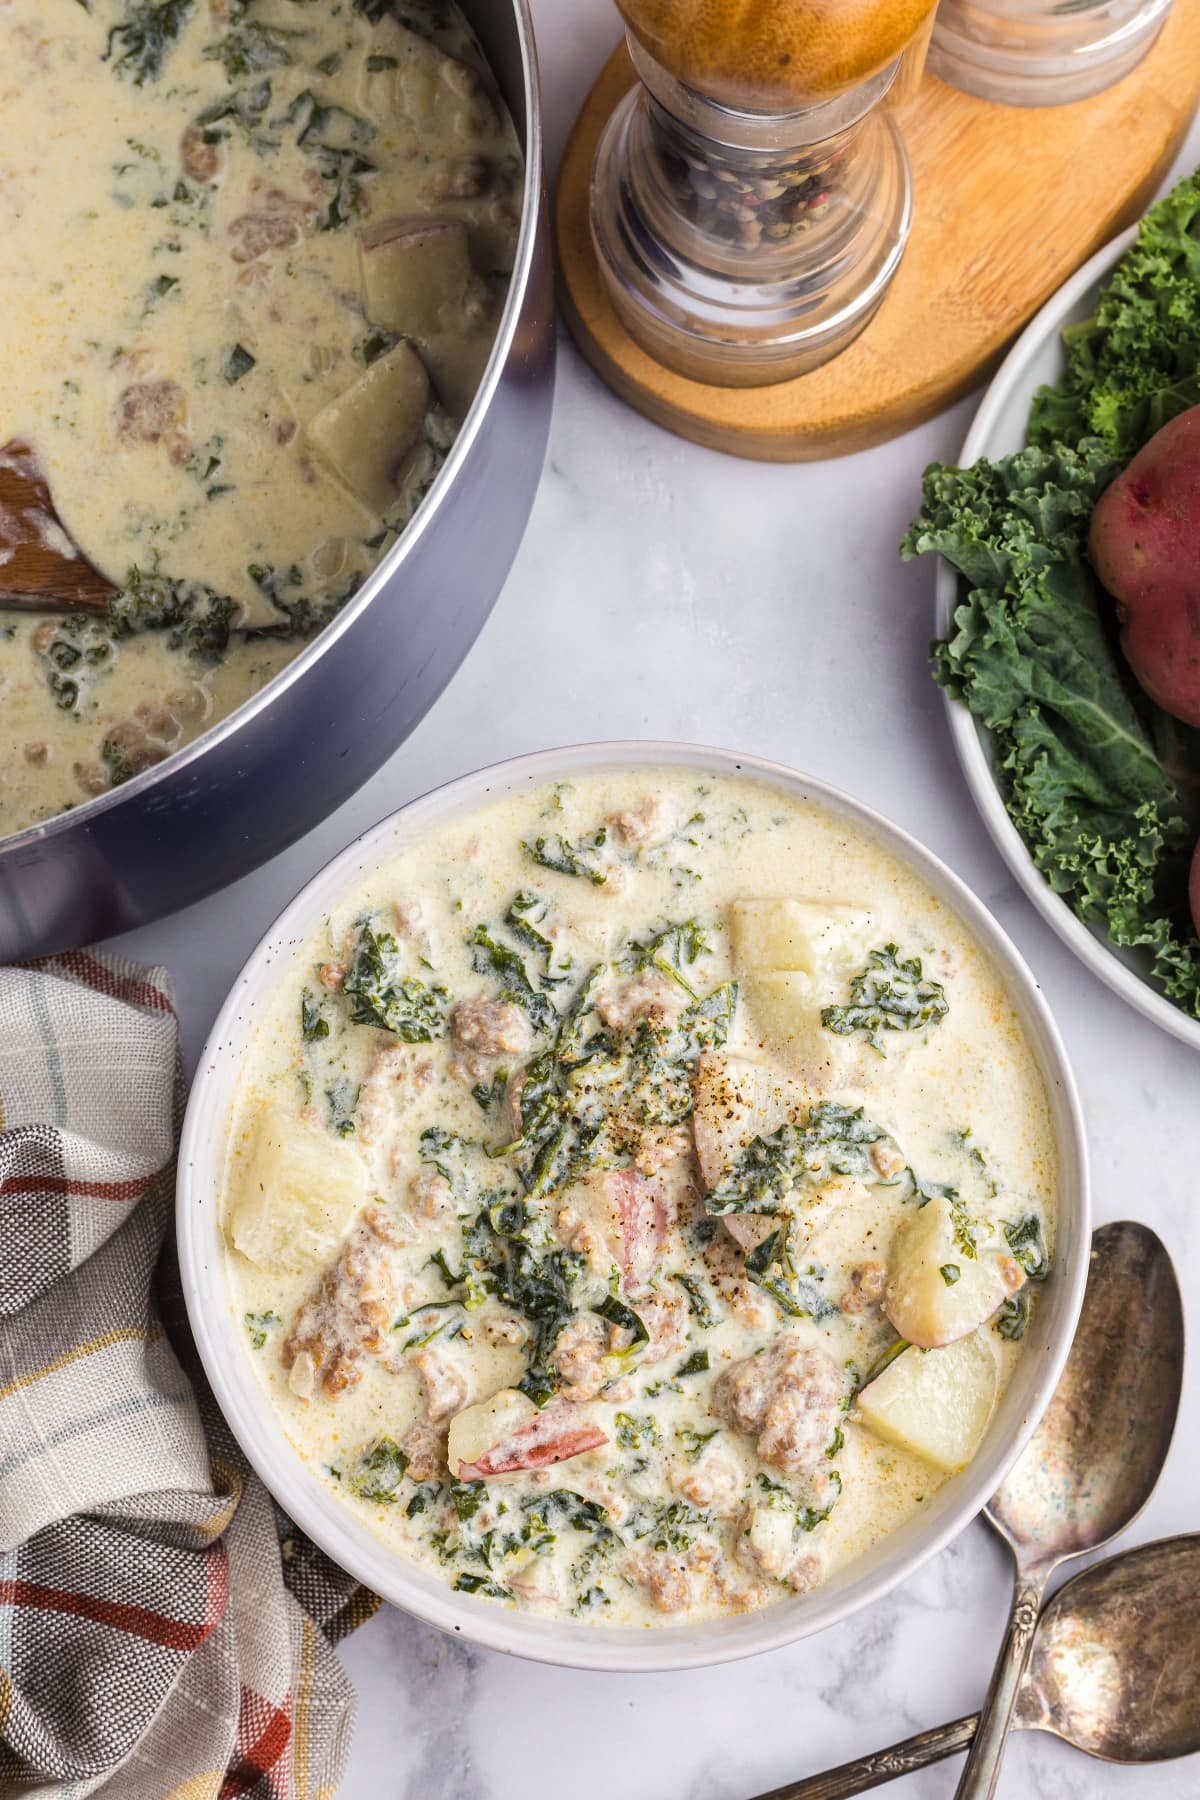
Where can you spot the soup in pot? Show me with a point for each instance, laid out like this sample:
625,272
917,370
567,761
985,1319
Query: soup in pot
255,253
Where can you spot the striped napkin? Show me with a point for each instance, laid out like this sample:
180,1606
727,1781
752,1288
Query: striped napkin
164,1630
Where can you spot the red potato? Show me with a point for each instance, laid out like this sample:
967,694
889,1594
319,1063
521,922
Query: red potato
539,1446
642,1215
537,1441
1145,547
625,1215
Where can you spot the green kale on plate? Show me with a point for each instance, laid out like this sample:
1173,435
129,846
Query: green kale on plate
1136,363
1103,787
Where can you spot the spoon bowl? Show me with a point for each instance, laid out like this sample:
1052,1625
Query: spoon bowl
1115,1672
1092,1463
1094,1459
1115,1668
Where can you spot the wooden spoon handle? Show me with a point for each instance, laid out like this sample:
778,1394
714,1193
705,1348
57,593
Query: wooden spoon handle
916,1752
61,598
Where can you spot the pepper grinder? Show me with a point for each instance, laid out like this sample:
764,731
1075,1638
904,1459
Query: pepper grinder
751,198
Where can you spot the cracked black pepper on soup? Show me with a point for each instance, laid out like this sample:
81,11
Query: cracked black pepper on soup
637,1196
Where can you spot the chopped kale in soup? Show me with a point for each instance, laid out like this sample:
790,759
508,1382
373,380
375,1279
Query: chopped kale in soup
255,254
647,1265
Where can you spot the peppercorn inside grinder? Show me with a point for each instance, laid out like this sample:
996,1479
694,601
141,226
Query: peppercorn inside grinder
750,198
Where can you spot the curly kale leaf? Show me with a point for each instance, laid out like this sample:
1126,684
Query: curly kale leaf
528,918
490,957
835,1140
669,949
260,1325
763,1176
79,650
565,858
615,1311
341,1102
304,615
455,1159
193,617
502,1259
780,1498
891,994
1026,1241
313,1023
381,1468
699,1300
139,45
245,108
413,1010
586,1096
772,1268
251,47
332,137
1136,363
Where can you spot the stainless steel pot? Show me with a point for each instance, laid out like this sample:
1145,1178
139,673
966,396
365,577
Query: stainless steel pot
268,773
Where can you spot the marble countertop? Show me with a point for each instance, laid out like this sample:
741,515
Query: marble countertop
667,591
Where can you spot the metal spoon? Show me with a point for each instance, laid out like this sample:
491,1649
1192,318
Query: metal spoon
1084,1476
1095,1458
1115,1671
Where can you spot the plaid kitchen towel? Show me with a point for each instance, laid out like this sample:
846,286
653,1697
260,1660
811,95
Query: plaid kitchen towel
165,1634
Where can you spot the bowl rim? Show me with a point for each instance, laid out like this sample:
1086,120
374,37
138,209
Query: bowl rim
336,1529
972,741
533,213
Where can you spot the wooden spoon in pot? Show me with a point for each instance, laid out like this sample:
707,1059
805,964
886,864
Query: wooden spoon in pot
41,568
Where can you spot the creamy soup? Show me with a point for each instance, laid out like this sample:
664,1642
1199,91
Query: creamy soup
637,1198
254,255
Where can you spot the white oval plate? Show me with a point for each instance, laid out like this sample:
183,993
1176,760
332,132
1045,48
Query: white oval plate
242,1398
998,429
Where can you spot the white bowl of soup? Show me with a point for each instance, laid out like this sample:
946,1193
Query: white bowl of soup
633,1206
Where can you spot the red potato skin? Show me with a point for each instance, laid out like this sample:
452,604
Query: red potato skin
553,1436
642,1215
1144,544
1194,889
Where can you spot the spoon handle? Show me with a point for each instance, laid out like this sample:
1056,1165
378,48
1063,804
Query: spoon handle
978,1779
913,1753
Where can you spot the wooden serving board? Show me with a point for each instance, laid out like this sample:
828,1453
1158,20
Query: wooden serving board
1008,201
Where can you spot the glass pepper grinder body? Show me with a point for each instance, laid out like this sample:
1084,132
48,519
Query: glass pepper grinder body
750,197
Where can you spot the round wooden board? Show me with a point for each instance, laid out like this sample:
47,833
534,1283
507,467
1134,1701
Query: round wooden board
1008,201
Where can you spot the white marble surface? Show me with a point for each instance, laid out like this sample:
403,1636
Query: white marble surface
667,591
